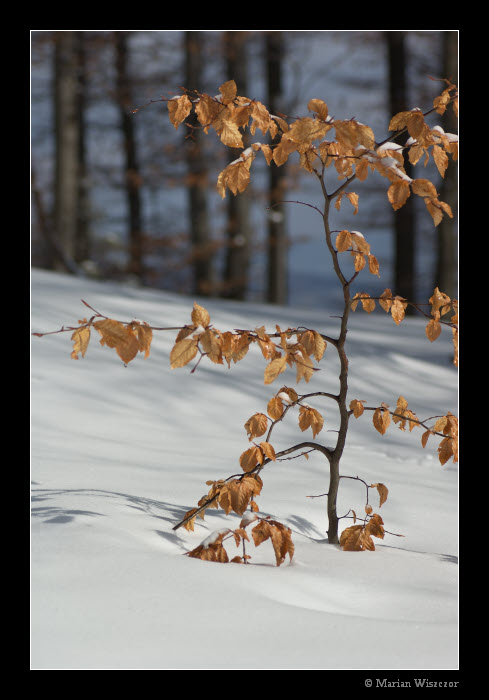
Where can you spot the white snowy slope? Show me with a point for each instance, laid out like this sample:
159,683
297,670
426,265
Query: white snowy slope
119,454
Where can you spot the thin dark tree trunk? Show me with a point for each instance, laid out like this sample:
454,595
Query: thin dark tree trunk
54,256
277,286
404,224
67,144
238,231
132,172
82,240
446,267
197,171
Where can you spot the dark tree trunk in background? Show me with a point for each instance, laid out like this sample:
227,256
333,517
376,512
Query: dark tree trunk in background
238,230
53,256
197,173
82,240
69,168
446,268
277,287
132,173
404,223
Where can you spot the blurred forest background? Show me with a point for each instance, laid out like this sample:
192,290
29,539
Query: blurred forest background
118,194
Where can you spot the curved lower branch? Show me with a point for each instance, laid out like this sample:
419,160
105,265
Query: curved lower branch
312,445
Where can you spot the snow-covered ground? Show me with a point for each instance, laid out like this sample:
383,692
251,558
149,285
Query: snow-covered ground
119,454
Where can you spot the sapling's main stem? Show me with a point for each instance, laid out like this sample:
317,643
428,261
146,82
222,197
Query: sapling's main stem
334,462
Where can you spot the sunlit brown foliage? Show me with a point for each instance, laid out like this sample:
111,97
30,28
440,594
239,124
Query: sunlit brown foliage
349,148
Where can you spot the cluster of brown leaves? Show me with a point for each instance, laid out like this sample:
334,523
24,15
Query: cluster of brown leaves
441,305
422,139
232,495
353,152
276,408
255,456
126,338
280,536
448,96
448,447
360,250
258,424
403,416
212,548
389,163
310,418
358,538
233,346
400,190
396,306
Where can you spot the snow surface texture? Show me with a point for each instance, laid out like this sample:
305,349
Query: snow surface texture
119,454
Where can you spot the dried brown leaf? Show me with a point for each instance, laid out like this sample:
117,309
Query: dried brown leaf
211,343
343,241
368,304
283,150
424,188
250,458
261,119
455,346
275,408
359,244
398,308
144,334
383,493
304,366
386,300
183,352
319,107
235,177
359,265
291,393
81,339
446,450
357,407
313,343
373,265
228,91
433,330
425,436
375,525
381,420
189,525
179,109
200,316
117,335
398,193
441,159
310,418
256,425
275,368
268,450
240,493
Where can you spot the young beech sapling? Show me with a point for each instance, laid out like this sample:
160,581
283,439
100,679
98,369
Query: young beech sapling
351,153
